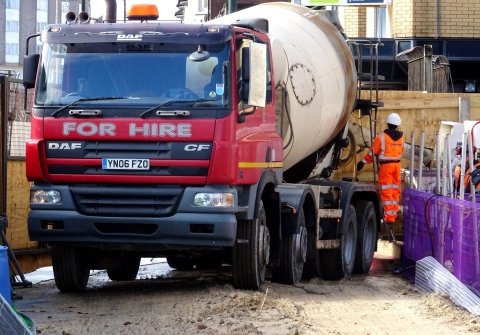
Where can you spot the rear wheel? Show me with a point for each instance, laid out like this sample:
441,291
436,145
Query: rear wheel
294,252
251,252
338,263
313,264
128,271
366,235
180,263
70,268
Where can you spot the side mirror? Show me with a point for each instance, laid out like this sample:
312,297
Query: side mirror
30,66
245,83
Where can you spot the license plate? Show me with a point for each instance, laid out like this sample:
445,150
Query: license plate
125,164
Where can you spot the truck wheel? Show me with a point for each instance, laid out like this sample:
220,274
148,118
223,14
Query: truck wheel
128,271
366,235
338,263
294,253
180,263
70,268
313,264
251,252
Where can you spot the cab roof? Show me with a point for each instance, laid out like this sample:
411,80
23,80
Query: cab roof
158,32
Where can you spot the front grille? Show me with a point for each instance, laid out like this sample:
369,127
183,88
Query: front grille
62,154
153,171
150,150
104,200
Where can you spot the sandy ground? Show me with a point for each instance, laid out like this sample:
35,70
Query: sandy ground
174,302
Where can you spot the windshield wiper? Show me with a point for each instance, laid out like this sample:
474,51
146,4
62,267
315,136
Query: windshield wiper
59,111
165,104
144,114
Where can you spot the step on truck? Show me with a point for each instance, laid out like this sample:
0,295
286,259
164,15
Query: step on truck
196,142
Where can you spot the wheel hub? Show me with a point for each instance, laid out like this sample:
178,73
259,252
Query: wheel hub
301,246
264,245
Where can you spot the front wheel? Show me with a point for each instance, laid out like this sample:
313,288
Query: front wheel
338,263
70,268
180,263
128,271
251,252
294,253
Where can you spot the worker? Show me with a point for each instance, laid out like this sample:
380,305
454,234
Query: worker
458,169
388,147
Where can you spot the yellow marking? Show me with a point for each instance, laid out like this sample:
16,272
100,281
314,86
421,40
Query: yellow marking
260,164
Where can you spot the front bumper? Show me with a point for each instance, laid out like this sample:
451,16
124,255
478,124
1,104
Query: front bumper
188,226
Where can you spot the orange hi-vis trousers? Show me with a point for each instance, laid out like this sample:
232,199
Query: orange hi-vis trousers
389,185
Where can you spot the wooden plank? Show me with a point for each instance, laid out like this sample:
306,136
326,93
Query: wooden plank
18,203
420,103
463,109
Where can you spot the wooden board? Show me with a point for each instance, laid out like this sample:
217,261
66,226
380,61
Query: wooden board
18,202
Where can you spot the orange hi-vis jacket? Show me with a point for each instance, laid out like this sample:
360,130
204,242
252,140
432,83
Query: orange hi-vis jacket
388,147
385,148
466,179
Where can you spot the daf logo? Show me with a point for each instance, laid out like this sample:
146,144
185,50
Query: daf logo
129,37
196,147
64,146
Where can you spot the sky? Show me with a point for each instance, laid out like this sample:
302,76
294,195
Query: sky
166,8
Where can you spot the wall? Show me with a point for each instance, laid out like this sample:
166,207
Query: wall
355,21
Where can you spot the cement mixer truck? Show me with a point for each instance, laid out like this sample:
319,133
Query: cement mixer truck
194,142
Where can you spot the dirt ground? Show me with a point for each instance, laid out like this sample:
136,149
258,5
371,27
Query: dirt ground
176,302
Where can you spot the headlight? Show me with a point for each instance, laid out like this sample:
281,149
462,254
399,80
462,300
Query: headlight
213,199
45,197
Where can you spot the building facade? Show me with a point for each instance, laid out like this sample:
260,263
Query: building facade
23,19
413,18
452,27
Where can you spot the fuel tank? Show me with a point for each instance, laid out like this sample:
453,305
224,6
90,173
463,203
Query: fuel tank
313,64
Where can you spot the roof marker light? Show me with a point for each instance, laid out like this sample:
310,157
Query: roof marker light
142,12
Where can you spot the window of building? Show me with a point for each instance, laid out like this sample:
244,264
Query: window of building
65,7
11,48
42,5
15,4
40,26
381,22
202,5
12,26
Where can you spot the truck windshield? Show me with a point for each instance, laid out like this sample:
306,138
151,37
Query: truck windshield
145,74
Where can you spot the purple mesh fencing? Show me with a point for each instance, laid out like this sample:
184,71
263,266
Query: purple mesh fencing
444,228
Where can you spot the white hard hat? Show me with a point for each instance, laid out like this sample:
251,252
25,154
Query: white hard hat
394,119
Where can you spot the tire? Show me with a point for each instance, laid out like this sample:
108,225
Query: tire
366,235
180,263
251,252
70,268
293,257
339,263
313,264
128,271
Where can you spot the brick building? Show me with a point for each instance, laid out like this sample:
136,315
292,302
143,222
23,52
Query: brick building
452,27
413,18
